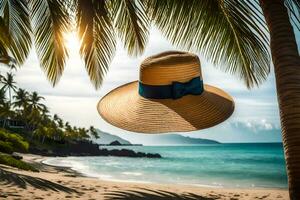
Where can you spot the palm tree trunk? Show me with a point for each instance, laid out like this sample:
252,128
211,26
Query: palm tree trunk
286,61
9,91
4,123
43,139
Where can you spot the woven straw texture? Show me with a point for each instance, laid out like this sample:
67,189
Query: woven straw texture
125,108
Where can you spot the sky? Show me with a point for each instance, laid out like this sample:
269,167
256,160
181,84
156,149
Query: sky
255,119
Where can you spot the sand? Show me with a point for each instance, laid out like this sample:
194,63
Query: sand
64,183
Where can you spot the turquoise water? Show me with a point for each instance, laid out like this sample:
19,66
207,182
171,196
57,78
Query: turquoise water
221,165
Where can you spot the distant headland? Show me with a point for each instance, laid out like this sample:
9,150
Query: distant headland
108,139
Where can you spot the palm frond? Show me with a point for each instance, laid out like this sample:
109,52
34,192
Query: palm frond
4,58
132,24
293,7
222,30
97,38
16,20
4,44
4,41
50,20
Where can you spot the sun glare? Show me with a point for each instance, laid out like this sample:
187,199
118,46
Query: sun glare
72,42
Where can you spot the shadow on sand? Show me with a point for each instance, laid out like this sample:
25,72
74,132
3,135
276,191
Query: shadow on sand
8,178
145,194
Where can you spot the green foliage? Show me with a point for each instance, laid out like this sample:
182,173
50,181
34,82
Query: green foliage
50,20
5,110
2,96
96,32
93,132
21,98
26,114
231,34
10,142
8,84
16,29
6,147
97,23
132,24
10,161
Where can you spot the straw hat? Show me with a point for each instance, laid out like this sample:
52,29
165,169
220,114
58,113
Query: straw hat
169,97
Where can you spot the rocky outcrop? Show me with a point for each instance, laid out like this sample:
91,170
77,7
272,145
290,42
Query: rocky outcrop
115,143
128,153
90,149
17,156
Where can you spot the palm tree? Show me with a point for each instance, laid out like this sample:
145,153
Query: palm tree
34,118
8,84
59,125
2,97
34,102
97,23
41,131
45,112
82,134
56,118
34,110
286,62
68,130
234,33
21,99
5,113
21,104
94,132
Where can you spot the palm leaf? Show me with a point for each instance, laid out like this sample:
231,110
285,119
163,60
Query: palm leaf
222,30
97,38
17,23
50,20
132,24
4,43
293,7
4,58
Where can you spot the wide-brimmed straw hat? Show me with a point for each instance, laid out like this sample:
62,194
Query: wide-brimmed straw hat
169,97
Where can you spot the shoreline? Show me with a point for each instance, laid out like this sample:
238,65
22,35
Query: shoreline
150,182
201,185
62,182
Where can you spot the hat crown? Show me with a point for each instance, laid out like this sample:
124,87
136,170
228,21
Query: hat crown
168,67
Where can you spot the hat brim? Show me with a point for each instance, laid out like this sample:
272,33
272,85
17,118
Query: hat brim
123,107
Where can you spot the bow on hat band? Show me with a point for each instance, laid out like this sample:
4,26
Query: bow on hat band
174,91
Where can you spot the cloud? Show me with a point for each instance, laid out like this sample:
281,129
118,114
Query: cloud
258,130
256,126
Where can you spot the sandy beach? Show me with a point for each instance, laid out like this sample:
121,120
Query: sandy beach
64,183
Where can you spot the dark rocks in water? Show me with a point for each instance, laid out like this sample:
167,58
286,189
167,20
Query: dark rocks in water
17,156
115,143
84,148
129,153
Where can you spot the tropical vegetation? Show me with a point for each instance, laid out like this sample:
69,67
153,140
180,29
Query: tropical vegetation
9,143
25,113
232,34
11,161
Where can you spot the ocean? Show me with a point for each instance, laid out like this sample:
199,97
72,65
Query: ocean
244,165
